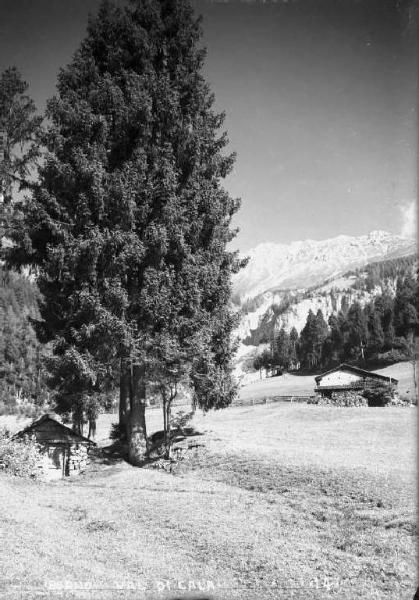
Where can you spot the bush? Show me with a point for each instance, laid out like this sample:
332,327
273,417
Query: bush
117,433
392,356
20,457
381,396
180,421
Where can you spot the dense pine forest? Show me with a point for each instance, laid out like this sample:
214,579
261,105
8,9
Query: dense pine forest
382,330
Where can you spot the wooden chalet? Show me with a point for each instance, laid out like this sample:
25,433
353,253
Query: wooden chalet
346,378
65,452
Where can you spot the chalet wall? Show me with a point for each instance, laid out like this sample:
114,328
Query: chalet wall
339,378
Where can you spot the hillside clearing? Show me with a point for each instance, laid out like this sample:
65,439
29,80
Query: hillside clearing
303,385
282,501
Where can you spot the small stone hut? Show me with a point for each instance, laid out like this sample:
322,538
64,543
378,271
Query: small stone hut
65,452
346,380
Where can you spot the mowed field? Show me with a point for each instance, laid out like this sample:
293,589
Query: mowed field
277,501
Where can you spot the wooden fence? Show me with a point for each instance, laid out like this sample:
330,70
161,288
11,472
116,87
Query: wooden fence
247,401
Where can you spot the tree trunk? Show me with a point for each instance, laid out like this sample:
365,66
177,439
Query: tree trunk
169,441
413,360
164,419
124,399
137,434
92,428
78,416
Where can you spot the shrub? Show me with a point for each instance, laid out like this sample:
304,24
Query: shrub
20,457
117,433
381,396
180,420
392,356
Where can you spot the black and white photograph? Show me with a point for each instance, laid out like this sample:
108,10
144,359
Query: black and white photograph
209,299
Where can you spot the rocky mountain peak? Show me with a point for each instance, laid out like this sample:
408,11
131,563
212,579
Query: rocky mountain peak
302,264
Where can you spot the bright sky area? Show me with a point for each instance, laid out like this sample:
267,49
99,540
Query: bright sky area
320,98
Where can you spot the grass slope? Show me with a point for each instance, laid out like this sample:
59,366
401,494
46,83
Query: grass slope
402,371
304,385
283,501
285,385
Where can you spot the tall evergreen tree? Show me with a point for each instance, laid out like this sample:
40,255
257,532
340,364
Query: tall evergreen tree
357,331
129,224
19,141
405,315
305,344
293,347
282,354
312,337
336,324
375,341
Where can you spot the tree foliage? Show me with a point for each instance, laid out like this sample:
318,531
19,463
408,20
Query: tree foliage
22,357
19,141
129,223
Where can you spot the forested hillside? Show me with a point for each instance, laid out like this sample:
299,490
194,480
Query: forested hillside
384,328
22,370
384,273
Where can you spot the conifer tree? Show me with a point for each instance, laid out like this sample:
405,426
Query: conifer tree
19,141
336,336
405,315
293,347
129,224
375,333
283,349
357,331
312,338
308,338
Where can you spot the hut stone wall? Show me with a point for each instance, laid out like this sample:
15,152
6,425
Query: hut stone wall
78,458
60,461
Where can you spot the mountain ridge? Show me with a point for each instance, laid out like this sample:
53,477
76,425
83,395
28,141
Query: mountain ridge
303,264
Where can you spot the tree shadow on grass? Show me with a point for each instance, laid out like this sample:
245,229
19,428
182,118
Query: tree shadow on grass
113,454
117,453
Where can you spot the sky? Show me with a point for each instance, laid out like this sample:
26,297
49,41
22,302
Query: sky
320,99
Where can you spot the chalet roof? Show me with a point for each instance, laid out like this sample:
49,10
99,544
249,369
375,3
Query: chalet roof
48,430
357,371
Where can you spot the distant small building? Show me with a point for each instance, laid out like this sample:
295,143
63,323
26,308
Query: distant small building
65,451
348,378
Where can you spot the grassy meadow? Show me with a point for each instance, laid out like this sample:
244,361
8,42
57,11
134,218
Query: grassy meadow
276,501
303,385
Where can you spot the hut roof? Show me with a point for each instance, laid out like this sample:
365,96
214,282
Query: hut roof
48,430
357,371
